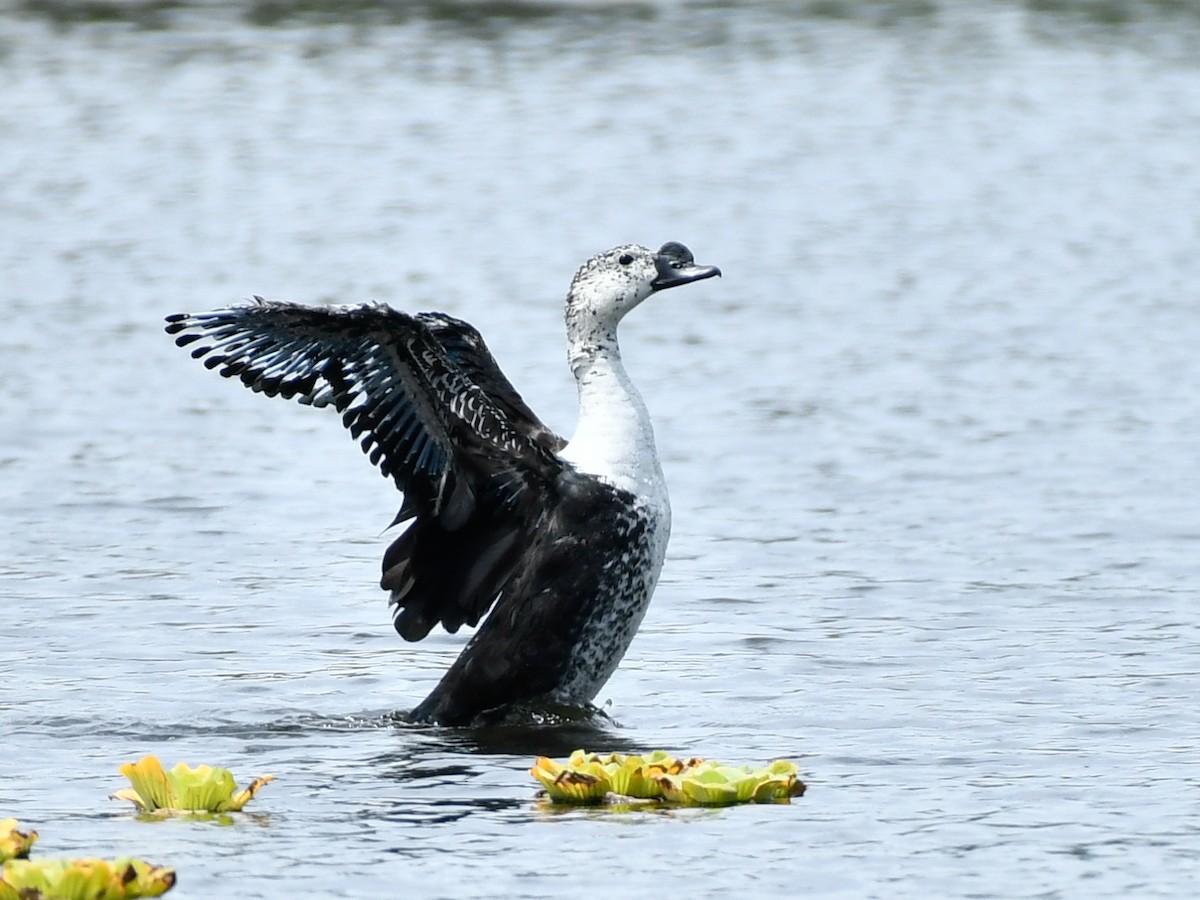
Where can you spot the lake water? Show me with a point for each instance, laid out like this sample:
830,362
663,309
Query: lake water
933,441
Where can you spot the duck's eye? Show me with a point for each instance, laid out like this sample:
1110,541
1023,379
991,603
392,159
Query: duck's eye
625,259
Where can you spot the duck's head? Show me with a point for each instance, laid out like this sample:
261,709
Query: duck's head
612,283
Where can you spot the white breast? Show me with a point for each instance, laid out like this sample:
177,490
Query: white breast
614,439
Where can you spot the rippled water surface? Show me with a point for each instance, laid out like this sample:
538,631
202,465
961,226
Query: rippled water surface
932,440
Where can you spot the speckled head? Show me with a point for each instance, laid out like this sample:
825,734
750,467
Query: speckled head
612,283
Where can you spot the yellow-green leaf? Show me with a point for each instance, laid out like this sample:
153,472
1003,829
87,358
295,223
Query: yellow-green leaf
14,844
150,783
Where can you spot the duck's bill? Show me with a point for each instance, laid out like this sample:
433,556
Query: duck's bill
677,266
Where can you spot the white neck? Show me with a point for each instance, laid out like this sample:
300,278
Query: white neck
614,439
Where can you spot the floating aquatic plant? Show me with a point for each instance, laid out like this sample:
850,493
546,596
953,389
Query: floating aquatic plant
592,778
83,879
14,844
184,789
713,784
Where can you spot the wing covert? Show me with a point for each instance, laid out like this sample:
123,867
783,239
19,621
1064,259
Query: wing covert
465,347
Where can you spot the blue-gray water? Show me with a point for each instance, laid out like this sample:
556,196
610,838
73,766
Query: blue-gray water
932,440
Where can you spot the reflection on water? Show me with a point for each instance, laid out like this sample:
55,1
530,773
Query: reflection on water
930,441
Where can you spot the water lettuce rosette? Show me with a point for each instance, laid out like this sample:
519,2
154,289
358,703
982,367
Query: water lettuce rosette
713,784
592,778
578,781
634,776
14,844
184,789
83,879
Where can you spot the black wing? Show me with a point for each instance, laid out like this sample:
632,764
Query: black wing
477,468
466,349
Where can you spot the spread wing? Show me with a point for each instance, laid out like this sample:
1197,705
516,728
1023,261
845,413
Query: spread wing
432,410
